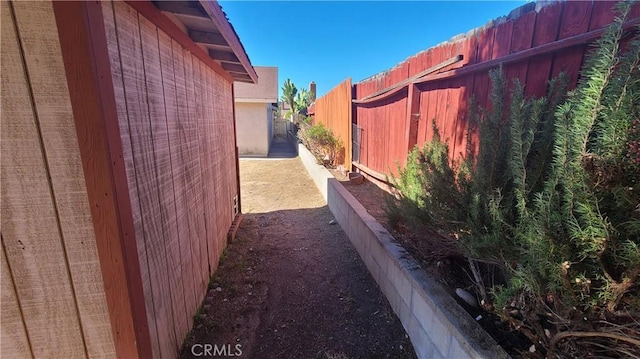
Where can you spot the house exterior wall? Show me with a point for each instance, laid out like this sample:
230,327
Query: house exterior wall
118,180
175,115
53,302
253,130
266,90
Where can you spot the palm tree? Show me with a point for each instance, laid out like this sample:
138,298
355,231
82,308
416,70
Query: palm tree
289,92
303,100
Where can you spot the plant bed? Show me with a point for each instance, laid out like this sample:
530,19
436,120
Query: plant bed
452,272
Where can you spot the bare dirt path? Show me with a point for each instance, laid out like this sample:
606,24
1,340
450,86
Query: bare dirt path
291,285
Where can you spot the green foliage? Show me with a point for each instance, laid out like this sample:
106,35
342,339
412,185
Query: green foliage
320,141
289,92
303,101
552,197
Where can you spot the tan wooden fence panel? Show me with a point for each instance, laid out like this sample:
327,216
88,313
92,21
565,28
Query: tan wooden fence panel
333,110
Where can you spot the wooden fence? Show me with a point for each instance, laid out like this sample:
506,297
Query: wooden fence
394,110
333,110
119,179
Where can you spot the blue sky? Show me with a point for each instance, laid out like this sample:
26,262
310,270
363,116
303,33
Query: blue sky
328,41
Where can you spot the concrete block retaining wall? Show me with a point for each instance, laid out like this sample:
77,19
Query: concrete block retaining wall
437,326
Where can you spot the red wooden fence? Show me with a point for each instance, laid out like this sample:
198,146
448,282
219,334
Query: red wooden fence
534,43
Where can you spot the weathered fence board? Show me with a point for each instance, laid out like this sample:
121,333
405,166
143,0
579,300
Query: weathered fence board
334,111
386,127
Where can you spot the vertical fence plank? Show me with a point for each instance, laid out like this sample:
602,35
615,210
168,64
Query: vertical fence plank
522,39
545,31
468,49
333,111
424,122
575,20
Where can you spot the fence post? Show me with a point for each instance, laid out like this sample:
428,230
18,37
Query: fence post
413,116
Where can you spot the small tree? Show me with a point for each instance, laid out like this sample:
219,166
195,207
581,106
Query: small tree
303,101
289,92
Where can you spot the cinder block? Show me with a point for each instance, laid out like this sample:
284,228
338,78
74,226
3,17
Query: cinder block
373,266
422,344
356,233
400,282
456,351
379,254
404,313
387,289
440,333
422,309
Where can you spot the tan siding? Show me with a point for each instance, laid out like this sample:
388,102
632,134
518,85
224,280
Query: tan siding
54,113
196,205
39,214
174,116
15,343
188,252
127,150
176,247
138,117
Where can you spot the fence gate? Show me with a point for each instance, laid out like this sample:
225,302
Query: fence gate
280,128
356,134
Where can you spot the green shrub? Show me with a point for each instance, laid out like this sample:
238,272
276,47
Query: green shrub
552,202
321,141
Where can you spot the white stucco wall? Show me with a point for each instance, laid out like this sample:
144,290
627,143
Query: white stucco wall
252,128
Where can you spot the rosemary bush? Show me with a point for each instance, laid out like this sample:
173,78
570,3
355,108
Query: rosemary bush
552,202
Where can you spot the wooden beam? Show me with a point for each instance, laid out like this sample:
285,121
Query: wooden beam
246,79
222,24
84,50
182,8
551,47
241,76
209,38
224,56
148,10
233,67
393,89
375,174
548,48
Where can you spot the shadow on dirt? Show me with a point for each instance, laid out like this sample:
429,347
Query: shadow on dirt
292,286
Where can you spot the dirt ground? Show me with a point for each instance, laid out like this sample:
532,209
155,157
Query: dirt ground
291,285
